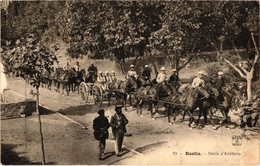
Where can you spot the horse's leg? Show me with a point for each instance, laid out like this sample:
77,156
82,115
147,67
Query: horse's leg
130,100
197,123
211,119
151,108
109,98
205,114
125,98
191,117
183,116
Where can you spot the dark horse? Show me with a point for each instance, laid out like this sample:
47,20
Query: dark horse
75,81
229,99
151,94
207,104
120,89
65,78
187,101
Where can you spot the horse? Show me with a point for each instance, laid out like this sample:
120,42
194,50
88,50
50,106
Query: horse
53,78
75,81
64,79
229,94
121,89
207,104
91,77
187,101
151,94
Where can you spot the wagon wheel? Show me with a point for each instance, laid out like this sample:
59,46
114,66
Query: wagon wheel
97,93
84,91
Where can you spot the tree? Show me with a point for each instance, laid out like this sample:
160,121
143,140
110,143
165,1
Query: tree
234,21
180,33
246,71
114,30
28,59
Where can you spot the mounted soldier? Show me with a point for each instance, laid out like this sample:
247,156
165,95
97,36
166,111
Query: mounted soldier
161,76
92,73
67,67
113,76
131,74
174,81
146,74
198,81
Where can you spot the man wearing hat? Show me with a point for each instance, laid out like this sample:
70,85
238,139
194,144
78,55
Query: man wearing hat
118,123
174,81
161,76
198,81
77,66
146,74
92,72
100,126
219,83
113,76
102,80
131,72
67,67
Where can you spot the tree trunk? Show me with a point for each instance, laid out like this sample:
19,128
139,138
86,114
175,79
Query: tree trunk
40,126
249,88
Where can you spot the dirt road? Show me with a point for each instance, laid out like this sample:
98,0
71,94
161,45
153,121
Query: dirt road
152,142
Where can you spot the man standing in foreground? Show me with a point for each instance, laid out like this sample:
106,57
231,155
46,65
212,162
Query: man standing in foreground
100,126
118,123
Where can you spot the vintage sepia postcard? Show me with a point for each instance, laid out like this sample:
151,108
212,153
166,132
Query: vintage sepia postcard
87,82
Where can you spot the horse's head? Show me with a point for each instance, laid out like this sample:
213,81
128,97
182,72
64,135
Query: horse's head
202,92
132,82
140,81
211,89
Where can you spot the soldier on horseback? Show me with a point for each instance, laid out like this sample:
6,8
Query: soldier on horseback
174,81
219,83
146,74
198,81
161,76
131,75
113,76
92,73
67,67
77,67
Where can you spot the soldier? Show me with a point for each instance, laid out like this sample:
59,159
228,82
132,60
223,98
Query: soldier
113,76
102,80
100,126
219,83
92,69
161,76
131,72
118,123
174,79
146,73
67,67
108,77
77,66
198,81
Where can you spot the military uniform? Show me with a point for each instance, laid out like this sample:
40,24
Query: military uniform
161,77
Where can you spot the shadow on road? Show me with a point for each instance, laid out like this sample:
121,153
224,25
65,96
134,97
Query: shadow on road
81,110
9,157
149,147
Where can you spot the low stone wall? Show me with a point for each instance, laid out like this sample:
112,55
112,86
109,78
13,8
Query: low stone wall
17,109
